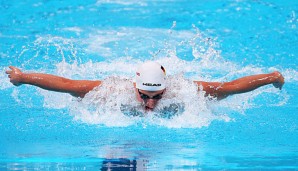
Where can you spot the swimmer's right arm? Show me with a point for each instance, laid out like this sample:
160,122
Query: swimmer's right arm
77,88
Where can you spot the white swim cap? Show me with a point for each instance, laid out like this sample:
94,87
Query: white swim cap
151,76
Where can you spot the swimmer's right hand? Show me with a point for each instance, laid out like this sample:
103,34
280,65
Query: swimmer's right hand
15,75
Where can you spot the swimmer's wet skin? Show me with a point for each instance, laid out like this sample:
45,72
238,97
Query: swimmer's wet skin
150,83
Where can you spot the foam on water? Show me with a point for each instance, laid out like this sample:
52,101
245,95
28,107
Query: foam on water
102,106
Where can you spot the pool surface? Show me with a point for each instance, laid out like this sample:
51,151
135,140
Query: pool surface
106,40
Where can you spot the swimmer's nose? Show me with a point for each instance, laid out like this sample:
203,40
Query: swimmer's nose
151,103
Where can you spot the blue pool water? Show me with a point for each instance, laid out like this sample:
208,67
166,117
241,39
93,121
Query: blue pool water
194,40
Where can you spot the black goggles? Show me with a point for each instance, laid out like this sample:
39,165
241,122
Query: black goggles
146,97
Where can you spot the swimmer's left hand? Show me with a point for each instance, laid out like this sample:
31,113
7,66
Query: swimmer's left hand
280,80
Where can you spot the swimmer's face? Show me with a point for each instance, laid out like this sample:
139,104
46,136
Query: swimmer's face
150,98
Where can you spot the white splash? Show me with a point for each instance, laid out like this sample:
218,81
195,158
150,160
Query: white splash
103,105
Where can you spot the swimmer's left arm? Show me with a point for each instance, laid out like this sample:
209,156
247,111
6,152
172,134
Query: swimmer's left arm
222,90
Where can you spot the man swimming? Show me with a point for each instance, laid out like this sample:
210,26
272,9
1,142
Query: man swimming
150,83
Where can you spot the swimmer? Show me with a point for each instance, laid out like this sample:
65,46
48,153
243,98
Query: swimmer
150,83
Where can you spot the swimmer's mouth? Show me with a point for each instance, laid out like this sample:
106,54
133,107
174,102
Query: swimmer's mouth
148,108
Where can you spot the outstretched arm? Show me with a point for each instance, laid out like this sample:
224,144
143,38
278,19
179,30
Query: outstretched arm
241,85
77,88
